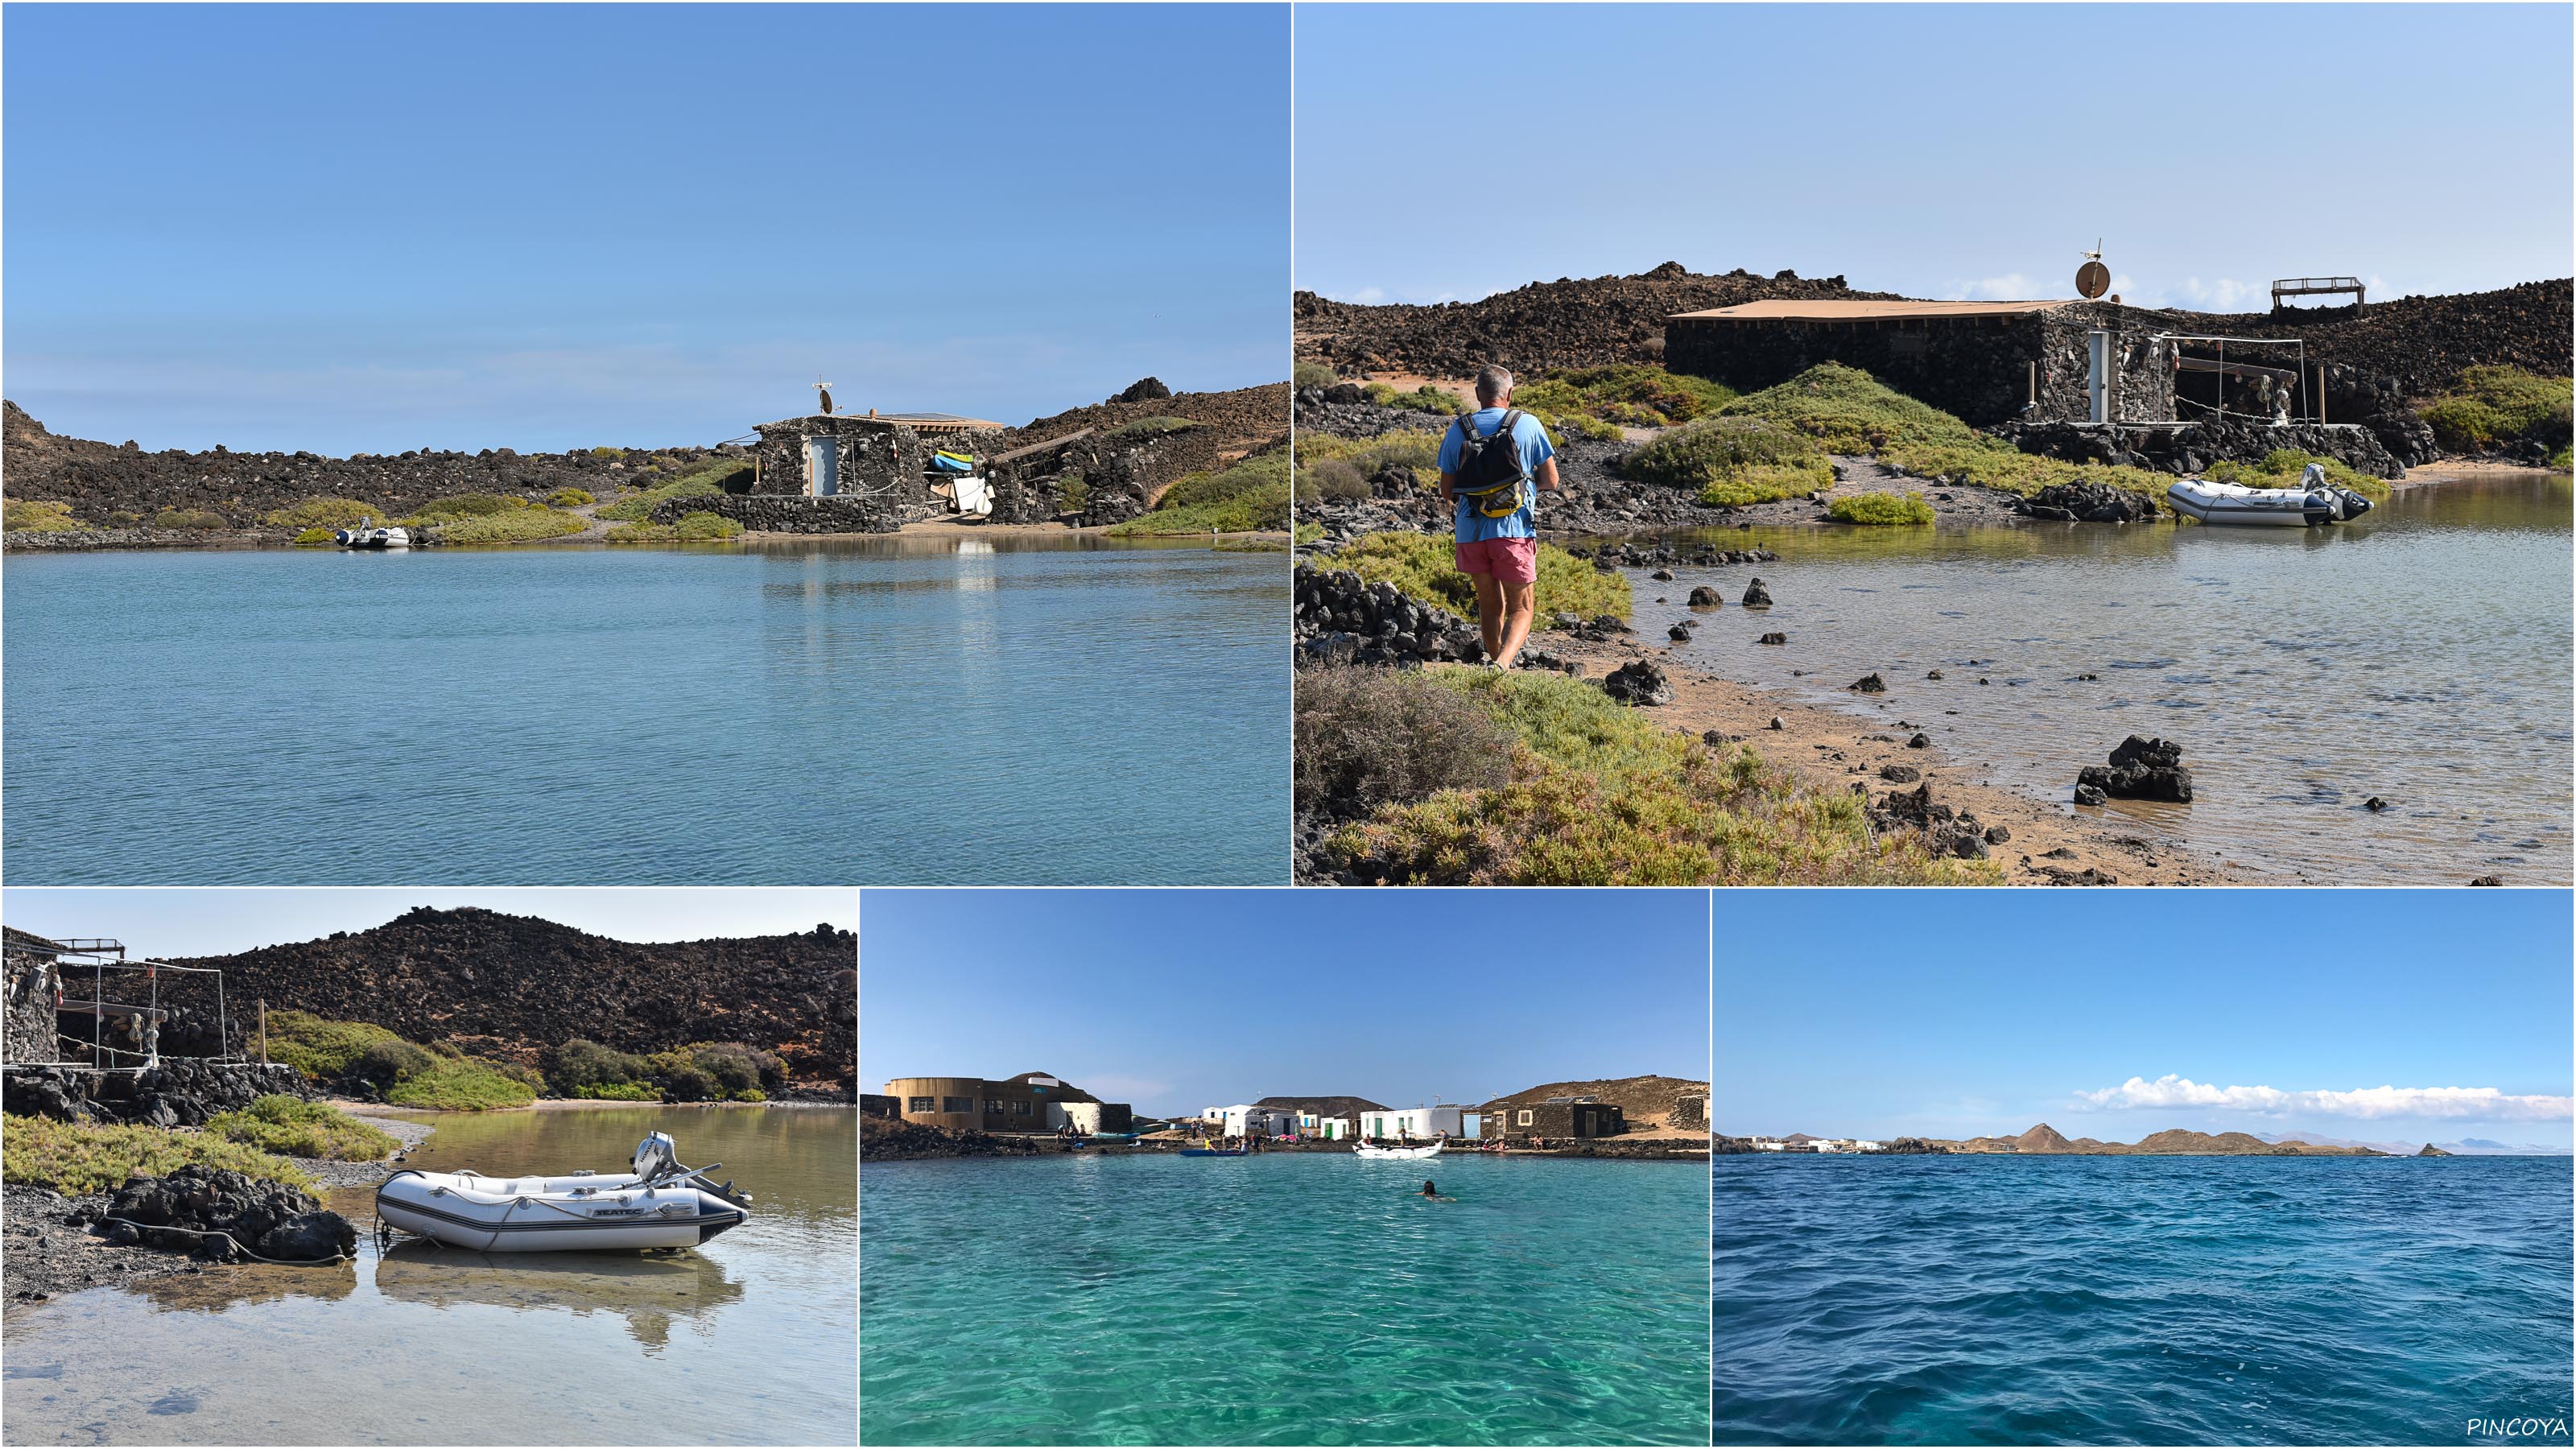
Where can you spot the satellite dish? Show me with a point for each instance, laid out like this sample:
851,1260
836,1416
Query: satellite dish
825,389
2093,279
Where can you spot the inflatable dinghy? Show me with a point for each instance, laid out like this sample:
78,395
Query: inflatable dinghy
1433,1150
2315,502
661,1204
368,535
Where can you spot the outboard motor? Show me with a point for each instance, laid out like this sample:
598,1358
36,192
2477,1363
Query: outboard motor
654,1156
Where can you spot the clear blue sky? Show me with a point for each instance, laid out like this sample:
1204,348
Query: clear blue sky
1178,1000
1956,1013
177,921
1934,150
381,227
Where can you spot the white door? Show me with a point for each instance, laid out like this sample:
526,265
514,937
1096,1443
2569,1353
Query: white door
823,466
2099,384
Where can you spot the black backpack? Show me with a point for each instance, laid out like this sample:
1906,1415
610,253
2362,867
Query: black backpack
1489,470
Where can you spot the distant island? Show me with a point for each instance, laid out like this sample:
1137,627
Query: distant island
2046,1141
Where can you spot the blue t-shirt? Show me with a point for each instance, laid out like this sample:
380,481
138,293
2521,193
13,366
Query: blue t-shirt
1531,436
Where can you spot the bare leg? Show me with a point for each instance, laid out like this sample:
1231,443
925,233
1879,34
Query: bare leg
1489,617
1520,609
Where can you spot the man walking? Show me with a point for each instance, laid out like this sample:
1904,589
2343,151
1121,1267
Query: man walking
1492,464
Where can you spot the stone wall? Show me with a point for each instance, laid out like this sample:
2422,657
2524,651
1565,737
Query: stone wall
877,458
788,513
2142,366
2190,448
178,1093
30,986
1120,475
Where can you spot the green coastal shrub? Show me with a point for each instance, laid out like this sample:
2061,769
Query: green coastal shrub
1641,395
581,1063
1425,567
1733,461
319,1048
570,498
1424,399
1335,478
1311,374
1156,427
1366,738
1243,497
75,1158
1880,508
515,526
316,537
303,1129
638,506
1073,492
16,517
388,1062
2485,406
196,518
458,506
461,1086
1602,795
608,452
736,1068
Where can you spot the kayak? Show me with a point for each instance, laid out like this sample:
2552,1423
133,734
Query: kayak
661,1204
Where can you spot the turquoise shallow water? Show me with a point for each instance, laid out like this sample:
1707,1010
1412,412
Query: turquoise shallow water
2182,1300
744,1340
1287,1299
898,712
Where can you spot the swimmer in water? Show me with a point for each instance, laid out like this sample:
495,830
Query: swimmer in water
1433,1193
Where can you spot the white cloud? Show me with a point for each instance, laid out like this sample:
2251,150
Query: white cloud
2480,1103
2010,287
1368,296
2225,295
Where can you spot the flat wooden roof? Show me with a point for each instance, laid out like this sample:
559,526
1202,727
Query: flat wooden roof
1863,310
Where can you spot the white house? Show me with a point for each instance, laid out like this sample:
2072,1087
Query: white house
1243,1118
1769,1144
1861,1145
1331,1129
1422,1123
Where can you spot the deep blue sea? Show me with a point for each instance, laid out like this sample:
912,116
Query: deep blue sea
899,712
1294,1298
2160,1300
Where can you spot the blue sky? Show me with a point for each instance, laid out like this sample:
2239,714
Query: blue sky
1956,1013
383,227
1935,150
1178,1000
178,921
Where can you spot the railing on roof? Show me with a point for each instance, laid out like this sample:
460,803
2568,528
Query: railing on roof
2315,287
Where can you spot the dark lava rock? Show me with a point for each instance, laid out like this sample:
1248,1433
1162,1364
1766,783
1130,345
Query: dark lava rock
1341,619
1638,683
2142,769
1704,597
2087,503
2090,795
1679,633
217,1213
1868,684
1777,723
1661,576
1147,389
1920,741
2374,804
1935,674
1756,596
1998,834
1772,639
1899,774
2488,880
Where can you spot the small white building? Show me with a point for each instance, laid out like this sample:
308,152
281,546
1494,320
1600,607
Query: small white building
1244,1119
1419,1123
1769,1144
1863,1145
1330,1129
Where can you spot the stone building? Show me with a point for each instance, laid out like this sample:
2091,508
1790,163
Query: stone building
27,966
1986,362
830,454
1032,1102
1559,1117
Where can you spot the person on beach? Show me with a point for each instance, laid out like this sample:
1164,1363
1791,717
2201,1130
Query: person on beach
1494,480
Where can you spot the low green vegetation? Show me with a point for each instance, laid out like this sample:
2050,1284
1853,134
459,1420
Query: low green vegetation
1311,374
1370,738
328,513
1638,395
316,536
1423,399
1073,492
457,507
518,525
321,1049
2486,406
570,498
699,1072
608,452
697,527
1734,461
1880,508
1425,567
1248,496
303,1129
74,1158
193,518
16,517
1600,794
637,506
1371,456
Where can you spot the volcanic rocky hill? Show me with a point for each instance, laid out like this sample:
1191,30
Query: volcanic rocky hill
101,480
1639,1098
2044,1140
1242,418
514,986
2415,345
1570,322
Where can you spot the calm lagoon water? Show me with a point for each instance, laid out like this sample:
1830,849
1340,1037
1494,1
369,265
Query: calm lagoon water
896,712
2164,1300
1287,1299
2420,655
745,1340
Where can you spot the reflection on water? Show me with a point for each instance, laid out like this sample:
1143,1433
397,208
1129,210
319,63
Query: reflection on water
2420,655
750,1339
903,711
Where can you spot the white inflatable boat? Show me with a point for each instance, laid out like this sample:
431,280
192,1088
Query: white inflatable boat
2313,503
364,536
661,1204
1365,1150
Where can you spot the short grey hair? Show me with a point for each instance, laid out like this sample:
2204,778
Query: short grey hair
1494,383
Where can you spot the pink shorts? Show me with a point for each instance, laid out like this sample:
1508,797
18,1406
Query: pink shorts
1509,560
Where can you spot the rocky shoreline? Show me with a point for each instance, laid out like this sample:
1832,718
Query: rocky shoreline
898,1141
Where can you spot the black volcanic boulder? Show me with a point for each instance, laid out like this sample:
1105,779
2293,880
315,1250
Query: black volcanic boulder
1756,596
2141,769
218,1213
1642,682
1147,389
1867,684
2087,503
1704,597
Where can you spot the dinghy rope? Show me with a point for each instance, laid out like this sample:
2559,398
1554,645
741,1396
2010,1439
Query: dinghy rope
227,1236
